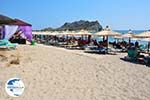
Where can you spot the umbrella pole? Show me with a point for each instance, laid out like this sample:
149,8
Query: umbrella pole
129,40
67,40
107,43
83,37
103,38
148,47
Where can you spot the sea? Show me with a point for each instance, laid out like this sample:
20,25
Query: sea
141,41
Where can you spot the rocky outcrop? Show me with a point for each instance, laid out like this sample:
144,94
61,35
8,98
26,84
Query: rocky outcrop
78,25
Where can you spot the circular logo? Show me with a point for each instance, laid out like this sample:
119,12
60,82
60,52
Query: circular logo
14,87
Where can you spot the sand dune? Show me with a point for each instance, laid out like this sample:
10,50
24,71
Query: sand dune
51,73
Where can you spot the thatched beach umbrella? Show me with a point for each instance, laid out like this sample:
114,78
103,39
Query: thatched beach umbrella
107,32
118,38
145,35
66,34
54,33
129,35
83,32
40,33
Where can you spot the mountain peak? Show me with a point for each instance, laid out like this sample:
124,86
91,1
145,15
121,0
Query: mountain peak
78,25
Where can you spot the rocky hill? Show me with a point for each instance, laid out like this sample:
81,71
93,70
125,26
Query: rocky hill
78,25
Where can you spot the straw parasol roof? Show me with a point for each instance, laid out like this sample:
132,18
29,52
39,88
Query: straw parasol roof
67,33
130,34
144,35
54,33
41,33
118,37
83,32
107,33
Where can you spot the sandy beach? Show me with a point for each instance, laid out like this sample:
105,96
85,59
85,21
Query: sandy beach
51,73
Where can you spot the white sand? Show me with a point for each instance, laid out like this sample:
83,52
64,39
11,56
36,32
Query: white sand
51,73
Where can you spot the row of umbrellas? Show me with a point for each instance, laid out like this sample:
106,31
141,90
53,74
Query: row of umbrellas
82,32
105,32
102,33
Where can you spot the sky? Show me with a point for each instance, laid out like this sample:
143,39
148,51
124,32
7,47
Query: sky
118,14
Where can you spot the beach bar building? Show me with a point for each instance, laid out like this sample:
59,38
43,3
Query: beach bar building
15,30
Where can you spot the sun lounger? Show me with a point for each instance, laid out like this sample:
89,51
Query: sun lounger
91,49
74,45
95,49
144,48
112,51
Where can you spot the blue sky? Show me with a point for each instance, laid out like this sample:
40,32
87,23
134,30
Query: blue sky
118,14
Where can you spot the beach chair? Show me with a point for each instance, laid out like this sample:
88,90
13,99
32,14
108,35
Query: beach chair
73,46
111,50
143,48
91,49
95,49
5,44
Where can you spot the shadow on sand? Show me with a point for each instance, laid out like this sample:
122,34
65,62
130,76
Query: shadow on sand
136,62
